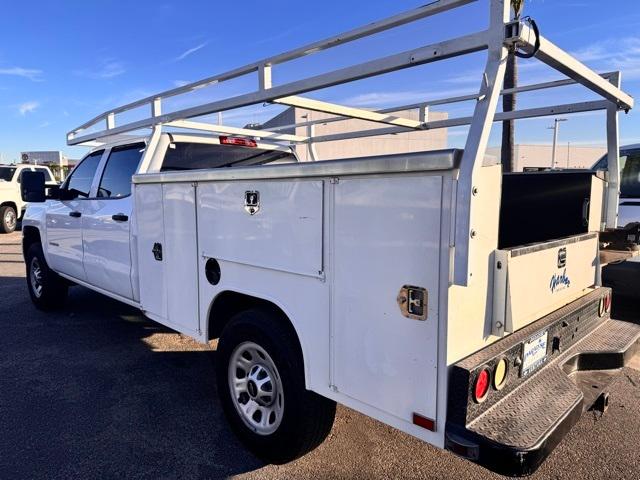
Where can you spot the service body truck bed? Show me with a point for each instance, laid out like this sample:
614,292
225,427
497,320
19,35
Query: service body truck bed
403,286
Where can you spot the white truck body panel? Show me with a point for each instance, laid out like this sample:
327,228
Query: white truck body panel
181,258
386,234
149,216
532,291
332,254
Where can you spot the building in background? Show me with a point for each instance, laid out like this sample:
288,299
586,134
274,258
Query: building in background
59,164
567,156
382,145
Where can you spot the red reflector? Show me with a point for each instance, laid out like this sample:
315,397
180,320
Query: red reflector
482,386
424,422
607,302
242,142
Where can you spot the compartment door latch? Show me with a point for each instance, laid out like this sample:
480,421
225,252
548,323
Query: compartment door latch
413,302
157,251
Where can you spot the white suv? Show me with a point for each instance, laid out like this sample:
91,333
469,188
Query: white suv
11,204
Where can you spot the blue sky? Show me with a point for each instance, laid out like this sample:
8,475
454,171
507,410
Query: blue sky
64,62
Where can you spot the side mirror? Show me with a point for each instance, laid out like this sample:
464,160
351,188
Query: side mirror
32,187
53,192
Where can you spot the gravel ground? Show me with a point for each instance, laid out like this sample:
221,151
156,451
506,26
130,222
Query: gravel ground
98,391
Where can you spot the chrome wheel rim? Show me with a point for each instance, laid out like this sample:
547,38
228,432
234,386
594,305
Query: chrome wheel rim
10,219
256,388
35,277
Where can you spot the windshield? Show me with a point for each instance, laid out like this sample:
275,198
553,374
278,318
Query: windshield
629,172
6,173
195,156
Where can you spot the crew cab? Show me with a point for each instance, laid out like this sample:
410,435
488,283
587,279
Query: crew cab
426,289
11,204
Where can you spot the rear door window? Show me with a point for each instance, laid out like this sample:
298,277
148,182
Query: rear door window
121,165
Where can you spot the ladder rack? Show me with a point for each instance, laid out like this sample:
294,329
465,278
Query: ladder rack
502,34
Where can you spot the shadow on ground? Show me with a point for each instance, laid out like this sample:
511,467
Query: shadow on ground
87,393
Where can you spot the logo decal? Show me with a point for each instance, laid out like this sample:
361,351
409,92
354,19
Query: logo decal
559,281
252,201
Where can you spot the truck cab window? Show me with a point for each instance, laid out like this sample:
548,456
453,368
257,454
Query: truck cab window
47,175
79,183
6,173
630,176
195,156
122,164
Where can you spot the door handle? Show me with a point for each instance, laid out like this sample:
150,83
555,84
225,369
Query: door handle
75,214
120,217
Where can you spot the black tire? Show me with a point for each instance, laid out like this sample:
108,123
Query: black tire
52,294
8,219
306,418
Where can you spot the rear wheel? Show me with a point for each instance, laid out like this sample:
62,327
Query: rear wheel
261,386
8,219
47,289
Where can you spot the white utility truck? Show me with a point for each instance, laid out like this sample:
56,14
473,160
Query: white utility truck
425,290
11,204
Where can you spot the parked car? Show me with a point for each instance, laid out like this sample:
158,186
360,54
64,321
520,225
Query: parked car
629,183
12,206
624,277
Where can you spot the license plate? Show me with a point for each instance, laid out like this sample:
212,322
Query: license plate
534,353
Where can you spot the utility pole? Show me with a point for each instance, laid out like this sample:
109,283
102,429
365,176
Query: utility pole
555,129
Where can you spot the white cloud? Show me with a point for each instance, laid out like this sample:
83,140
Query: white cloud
191,51
28,107
390,99
108,68
614,54
44,124
30,73
180,83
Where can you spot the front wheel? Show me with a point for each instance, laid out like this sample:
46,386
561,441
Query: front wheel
260,379
47,289
8,219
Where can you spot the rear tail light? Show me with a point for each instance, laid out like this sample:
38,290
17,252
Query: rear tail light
241,142
481,387
500,374
605,305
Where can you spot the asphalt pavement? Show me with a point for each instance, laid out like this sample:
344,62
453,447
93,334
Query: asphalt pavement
99,391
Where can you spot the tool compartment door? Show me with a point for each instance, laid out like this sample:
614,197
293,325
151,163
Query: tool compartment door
386,236
168,255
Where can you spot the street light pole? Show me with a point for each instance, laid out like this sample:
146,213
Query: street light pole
555,129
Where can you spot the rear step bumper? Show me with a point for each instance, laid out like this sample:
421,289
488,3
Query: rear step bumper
515,429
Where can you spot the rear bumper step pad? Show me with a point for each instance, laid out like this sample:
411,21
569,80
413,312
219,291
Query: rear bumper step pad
514,434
